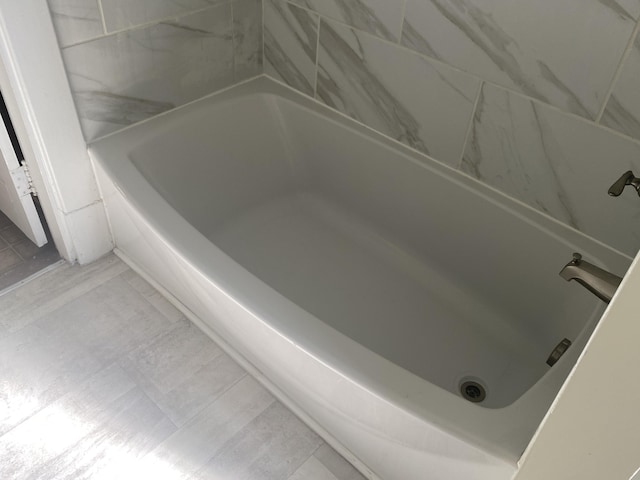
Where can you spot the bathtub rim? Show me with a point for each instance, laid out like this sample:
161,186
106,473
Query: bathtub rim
412,394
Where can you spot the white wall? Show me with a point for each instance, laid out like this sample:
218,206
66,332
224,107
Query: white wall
592,431
46,123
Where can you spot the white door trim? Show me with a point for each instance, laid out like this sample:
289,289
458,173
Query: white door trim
42,109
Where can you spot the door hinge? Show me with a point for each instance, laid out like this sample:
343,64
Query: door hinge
23,181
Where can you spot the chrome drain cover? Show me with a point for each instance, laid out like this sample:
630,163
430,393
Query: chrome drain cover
473,391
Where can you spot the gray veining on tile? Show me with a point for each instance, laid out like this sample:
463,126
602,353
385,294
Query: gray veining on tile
75,20
427,106
247,38
91,382
121,14
123,78
623,108
631,7
562,55
291,38
379,17
254,452
556,163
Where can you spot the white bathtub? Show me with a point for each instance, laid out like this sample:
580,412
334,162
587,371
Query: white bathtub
361,281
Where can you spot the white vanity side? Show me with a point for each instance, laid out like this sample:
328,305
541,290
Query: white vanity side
592,430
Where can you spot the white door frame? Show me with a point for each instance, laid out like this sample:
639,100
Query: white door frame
41,107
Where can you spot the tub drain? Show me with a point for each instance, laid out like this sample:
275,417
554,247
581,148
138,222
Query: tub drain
473,391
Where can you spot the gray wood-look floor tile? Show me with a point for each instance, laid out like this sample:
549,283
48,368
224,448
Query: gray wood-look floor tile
36,369
59,426
101,378
182,371
336,464
8,259
12,234
271,447
110,320
196,443
4,221
152,295
53,290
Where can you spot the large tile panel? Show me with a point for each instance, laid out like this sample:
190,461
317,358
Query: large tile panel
290,41
560,52
556,163
397,92
122,14
75,20
380,17
632,7
623,108
130,76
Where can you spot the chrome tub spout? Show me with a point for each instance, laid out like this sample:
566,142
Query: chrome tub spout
598,281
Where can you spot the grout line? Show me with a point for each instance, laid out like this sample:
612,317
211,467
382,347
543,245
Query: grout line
233,43
149,24
104,21
168,112
264,26
618,72
470,125
439,62
39,273
411,51
402,19
315,85
448,166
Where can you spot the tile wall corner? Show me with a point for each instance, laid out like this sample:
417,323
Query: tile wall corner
129,61
413,70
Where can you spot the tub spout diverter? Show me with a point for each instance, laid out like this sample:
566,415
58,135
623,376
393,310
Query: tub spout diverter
598,281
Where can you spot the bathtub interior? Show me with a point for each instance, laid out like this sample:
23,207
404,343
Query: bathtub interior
402,258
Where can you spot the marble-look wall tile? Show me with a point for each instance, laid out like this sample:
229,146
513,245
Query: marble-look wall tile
127,77
623,108
290,43
380,17
555,51
122,14
556,163
632,7
75,20
399,93
247,38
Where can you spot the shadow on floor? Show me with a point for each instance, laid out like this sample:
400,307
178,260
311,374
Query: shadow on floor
19,257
